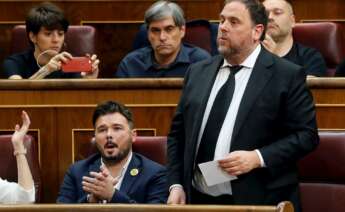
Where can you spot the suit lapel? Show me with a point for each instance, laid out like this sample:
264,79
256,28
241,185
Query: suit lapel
133,172
95,167
257,81
206,78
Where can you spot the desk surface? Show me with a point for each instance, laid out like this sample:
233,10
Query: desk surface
141,91
79,91
313,82
80,84
128,91
282,207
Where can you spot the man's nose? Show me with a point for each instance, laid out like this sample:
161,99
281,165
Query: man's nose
163,35
109,133
223,27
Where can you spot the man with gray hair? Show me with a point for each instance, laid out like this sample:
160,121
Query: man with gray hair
167,56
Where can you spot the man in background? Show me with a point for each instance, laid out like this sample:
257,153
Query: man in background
167,56
279,39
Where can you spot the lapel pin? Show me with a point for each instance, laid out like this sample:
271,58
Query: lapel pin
134,172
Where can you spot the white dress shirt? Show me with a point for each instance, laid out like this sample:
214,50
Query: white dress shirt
11,192
121,175
223,143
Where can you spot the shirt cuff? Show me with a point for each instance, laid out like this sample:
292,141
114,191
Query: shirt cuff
88,196
175,186
262,162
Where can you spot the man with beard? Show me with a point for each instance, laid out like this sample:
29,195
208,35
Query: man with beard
166,56
246,111
279,39
115,174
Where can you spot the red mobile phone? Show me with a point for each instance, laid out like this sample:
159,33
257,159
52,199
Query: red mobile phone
77,64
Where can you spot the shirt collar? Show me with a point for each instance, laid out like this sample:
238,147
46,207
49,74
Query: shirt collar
249,62
183,55
124,168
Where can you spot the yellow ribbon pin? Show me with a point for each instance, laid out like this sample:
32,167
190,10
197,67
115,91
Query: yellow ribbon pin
134,172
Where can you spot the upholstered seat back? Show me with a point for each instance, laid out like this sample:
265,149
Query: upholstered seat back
327,37
153,147
79,40
8,165
322,175
203,34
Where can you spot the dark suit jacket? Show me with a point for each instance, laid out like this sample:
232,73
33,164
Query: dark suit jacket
148,186
276,116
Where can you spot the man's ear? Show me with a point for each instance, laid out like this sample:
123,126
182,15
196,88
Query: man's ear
134,135
293,20
32,37
183,31
257,32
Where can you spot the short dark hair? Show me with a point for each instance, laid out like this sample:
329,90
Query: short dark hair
46,15
257,12
110,107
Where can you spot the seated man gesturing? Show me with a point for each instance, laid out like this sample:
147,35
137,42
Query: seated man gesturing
115,174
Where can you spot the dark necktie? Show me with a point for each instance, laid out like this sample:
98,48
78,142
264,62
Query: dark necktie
216,118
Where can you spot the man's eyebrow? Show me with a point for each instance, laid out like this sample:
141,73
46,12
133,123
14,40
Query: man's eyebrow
101,126
277,9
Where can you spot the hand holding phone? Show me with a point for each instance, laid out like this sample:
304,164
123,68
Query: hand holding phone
77,64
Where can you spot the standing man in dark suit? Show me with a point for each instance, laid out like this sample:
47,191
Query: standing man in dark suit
115,174
262,132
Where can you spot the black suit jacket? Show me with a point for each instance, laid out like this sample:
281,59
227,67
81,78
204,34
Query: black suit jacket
276,116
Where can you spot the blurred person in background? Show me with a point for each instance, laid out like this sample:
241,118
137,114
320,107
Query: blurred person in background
279,39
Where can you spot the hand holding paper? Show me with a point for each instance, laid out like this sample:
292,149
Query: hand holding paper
213,174
240,162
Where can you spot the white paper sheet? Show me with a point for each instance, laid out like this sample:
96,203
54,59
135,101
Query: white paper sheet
213,174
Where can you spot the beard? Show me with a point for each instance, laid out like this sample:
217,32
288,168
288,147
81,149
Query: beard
277,33
227,52
227,48
113,159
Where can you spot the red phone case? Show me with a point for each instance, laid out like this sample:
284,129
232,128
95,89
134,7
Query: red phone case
77,64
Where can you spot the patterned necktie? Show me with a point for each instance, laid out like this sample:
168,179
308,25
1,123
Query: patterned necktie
216,118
